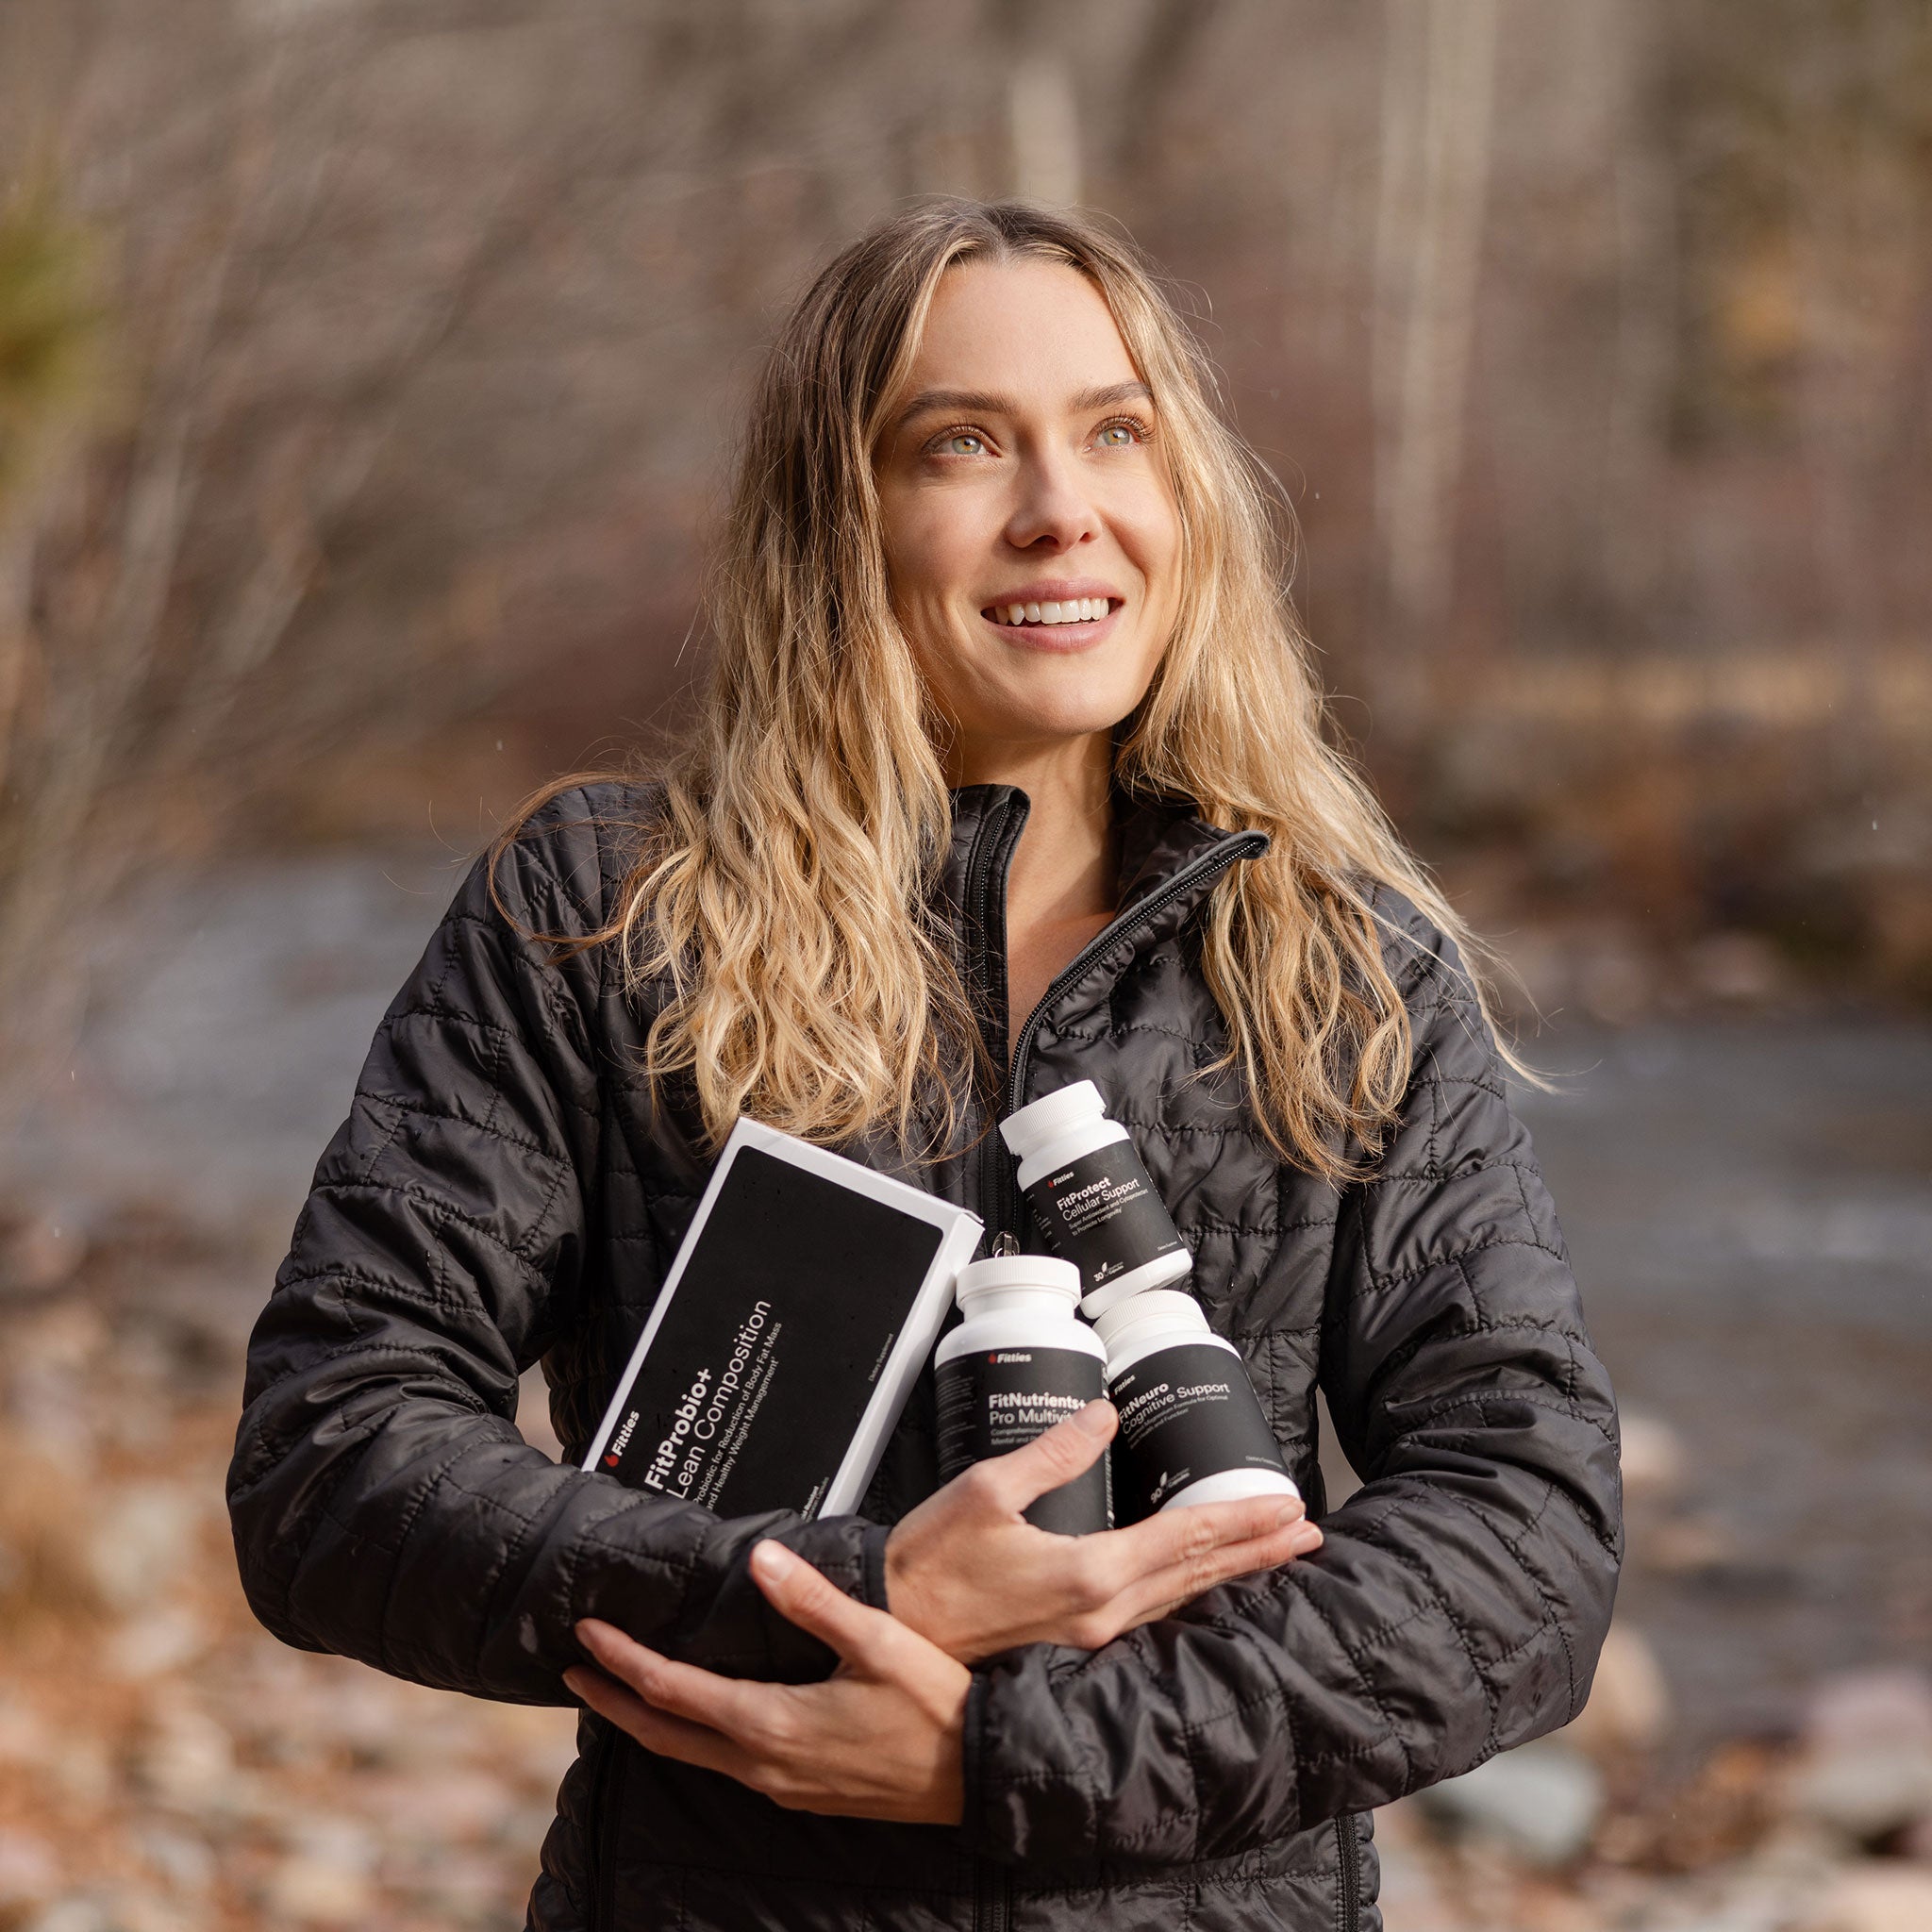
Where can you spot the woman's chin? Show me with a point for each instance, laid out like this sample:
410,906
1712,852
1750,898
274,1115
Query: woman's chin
1027,696
1022,723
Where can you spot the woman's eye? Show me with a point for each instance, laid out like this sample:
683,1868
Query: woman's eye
1119,435
962,442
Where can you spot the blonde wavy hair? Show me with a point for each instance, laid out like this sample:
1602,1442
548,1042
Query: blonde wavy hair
779,904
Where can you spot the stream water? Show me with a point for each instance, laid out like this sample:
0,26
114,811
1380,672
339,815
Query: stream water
1749,1208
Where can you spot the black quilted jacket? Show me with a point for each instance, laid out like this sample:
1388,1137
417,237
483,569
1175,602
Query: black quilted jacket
504,1190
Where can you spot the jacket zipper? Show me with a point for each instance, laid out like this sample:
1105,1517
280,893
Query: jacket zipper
602,1832
1348,1852
993,1898
993,1894
994,840
1217,858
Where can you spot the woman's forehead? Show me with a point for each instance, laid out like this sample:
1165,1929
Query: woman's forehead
1031,333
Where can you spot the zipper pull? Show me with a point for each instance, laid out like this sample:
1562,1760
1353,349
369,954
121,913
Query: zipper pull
1005,1244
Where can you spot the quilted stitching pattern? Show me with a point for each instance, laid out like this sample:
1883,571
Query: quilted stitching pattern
383,1505
505,1189
1462,1593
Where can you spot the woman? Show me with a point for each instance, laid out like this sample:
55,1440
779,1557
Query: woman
1009,775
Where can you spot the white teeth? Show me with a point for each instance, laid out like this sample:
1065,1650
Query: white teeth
1067,610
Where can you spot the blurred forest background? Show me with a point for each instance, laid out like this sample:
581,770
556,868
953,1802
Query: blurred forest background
369,373
368,378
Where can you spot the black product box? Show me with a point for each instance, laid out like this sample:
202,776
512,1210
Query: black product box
801,1306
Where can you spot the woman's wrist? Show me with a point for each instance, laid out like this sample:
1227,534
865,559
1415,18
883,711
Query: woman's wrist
875,1556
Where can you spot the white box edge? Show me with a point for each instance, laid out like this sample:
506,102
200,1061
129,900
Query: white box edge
959,1230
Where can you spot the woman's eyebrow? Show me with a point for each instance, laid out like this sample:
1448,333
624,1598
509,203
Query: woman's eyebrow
1114,394
983,401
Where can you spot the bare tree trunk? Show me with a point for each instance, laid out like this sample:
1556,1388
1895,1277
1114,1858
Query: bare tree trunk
1857,290
1436,100
1633,460
1169,41
1045,122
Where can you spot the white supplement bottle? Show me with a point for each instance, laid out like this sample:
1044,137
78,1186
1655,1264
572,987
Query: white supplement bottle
1191,1428
1021,1361
1090,1192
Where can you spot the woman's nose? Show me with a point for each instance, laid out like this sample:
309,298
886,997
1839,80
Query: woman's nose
1052,505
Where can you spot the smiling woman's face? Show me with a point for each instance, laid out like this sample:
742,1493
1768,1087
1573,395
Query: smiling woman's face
1022,473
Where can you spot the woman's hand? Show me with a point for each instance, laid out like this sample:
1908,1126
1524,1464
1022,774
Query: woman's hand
880,1738
968,1572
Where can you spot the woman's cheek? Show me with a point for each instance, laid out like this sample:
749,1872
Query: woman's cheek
1150,533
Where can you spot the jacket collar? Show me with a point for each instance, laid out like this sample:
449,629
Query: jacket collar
1160,839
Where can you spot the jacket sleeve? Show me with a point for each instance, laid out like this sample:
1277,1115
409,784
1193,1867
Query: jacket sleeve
1460,1600
383,1505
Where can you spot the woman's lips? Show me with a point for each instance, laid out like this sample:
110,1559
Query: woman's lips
1054,637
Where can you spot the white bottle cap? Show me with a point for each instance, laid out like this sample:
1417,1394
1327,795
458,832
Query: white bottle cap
1147,1278
1008,1273
1049,1117
1180,1313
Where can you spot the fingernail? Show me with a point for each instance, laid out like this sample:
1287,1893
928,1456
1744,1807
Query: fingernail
1288,1512
771,1559
1096,1418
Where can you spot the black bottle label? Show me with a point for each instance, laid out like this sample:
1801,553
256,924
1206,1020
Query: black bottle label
1101,1213
997,1400
1186,1412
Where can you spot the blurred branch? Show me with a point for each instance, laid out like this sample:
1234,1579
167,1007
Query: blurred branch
50,365
153,598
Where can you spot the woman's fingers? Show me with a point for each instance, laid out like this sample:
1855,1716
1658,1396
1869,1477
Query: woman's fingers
967,1572
720,1703
881,1742
657,1730
1174,1535
803,1595
606,1695
1176,1538
1133,1575
1162,1590
724,1723
1055,1457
